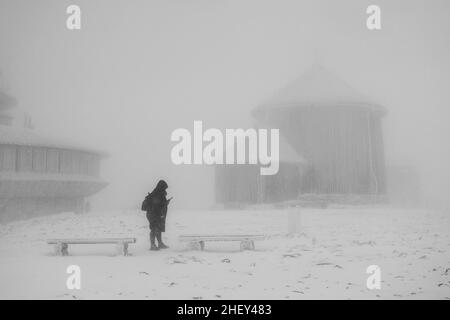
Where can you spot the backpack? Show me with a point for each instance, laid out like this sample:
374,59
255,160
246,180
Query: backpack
145,206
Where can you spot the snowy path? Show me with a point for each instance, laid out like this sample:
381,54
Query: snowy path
328,260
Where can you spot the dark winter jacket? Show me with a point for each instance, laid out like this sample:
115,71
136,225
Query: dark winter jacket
156,204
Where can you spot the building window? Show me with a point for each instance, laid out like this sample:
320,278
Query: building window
39,159
66,162
76,162
52,161
7,158
84,164
24,159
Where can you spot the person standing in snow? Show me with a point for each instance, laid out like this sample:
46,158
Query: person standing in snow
156,206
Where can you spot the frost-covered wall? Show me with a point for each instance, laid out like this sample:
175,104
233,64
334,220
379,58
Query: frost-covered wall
40,180
43,176
48,160
342,145
334,128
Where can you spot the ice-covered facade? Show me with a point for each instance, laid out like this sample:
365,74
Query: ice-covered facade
40,175
333,127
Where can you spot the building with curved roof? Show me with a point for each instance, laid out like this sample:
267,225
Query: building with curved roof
334,128
41,175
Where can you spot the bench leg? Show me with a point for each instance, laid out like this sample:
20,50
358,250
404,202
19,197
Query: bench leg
122,248
202,245
65,249
195,245
58,249
61,249
247,245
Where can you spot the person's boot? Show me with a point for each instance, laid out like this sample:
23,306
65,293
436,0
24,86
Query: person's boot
153,246
161,245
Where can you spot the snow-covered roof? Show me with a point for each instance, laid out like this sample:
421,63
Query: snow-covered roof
27,137
319,87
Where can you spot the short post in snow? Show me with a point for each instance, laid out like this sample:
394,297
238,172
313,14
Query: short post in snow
294,221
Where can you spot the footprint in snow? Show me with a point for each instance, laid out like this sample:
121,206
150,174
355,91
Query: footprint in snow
324,264
296,291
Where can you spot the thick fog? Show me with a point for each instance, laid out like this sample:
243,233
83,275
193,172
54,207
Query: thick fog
137,70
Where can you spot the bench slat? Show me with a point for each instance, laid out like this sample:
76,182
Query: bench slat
92,241
220,237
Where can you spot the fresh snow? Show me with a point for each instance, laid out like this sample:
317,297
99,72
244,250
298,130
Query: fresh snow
327,260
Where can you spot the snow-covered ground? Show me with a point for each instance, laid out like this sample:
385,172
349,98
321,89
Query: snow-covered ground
327,260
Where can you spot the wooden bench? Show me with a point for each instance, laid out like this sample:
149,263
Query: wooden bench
197,241
62,245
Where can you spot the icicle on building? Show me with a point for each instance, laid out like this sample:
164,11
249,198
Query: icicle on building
40,175
334,128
